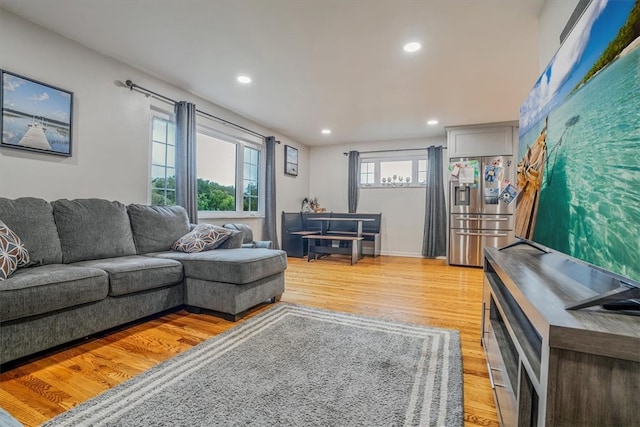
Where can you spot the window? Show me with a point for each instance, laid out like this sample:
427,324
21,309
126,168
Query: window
397,169
422,171
251,180
229,169
396,172
229,174
163,153
216,165
367,176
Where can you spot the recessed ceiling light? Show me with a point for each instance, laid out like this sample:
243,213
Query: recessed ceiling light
412,47
432,122
244,79
326,131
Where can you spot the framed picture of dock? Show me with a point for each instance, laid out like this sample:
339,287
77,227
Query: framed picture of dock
35,116
290,160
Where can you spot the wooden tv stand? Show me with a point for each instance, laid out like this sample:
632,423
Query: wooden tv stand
554,367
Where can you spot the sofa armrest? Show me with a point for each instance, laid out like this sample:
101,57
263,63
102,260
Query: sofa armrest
234,241
266,244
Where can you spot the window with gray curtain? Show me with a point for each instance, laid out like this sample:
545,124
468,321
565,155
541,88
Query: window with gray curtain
186,158
434,240
354,171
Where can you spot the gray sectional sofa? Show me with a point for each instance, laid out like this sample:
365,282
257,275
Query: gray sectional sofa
96,264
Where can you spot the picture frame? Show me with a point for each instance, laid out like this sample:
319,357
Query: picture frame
36,116
290,160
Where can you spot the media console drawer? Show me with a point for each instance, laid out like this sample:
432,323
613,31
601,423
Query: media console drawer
500,384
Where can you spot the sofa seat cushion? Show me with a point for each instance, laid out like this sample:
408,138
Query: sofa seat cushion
92,229
239,266
37,290
137,273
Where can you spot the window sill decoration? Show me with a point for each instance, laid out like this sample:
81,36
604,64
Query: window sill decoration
311,205
396,181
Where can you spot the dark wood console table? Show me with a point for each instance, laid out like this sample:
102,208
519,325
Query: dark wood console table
554,367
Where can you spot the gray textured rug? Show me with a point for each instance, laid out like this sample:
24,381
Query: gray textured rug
295,366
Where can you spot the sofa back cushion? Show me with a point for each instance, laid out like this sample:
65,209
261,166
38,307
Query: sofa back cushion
245,229
32,220
156,228
93,229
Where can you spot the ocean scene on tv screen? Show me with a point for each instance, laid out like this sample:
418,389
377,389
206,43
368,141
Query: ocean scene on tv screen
579,147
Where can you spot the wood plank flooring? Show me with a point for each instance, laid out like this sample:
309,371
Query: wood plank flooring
411,290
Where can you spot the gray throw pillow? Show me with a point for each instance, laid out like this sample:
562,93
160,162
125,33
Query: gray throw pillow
156,228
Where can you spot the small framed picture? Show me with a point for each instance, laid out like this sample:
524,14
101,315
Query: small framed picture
35,116
290,160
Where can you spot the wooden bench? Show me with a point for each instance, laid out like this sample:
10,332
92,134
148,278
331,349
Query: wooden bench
315,248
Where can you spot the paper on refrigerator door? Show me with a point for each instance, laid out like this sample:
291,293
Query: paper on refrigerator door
467,175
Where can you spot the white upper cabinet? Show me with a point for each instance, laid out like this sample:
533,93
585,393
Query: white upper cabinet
492,139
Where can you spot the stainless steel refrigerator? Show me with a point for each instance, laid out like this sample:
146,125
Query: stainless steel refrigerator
478,218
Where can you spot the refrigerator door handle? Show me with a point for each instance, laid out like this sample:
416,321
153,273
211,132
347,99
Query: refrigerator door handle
467,233
481,218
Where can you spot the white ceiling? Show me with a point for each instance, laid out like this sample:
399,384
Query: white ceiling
322,63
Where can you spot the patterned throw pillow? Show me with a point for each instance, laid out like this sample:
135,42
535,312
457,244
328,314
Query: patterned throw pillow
13,254
204,237
23,254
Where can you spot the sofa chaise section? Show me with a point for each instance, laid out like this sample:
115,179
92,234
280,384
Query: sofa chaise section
231,281
228,280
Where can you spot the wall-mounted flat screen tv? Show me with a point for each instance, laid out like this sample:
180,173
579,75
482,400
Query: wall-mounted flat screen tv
579,146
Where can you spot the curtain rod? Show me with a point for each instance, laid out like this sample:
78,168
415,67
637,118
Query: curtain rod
131,85
397,149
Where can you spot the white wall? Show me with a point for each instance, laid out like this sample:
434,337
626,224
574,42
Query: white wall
402,208
111,135
552,19
111,129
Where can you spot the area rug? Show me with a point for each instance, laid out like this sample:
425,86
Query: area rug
294,366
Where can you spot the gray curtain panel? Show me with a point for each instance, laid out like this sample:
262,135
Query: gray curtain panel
434,240
186,174
354,166
269,229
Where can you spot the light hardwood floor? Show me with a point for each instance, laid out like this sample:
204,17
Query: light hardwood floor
411,290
